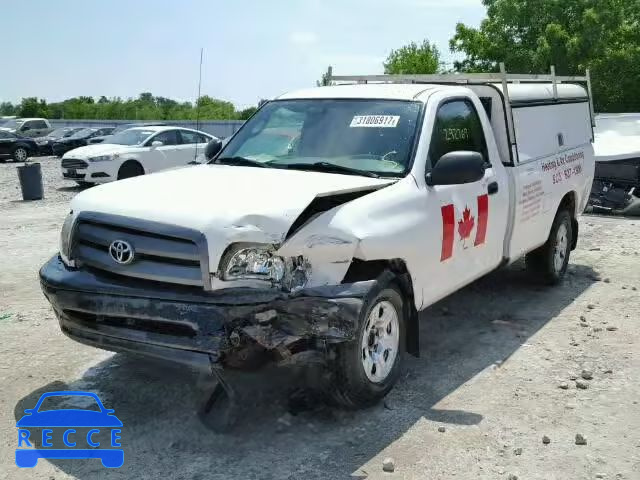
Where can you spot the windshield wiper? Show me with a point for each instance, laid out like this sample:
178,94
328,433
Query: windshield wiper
331,168
240,161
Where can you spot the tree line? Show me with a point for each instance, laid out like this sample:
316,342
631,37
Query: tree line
145,107
530,36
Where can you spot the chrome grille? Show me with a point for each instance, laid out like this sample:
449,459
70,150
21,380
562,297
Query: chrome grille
161,254
74,163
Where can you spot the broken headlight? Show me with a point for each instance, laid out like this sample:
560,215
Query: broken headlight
65,239
252,262
245,261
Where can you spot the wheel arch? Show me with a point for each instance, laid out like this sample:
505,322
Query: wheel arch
569,203
131,161
363,270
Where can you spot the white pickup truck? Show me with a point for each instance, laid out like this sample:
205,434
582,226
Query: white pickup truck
328,222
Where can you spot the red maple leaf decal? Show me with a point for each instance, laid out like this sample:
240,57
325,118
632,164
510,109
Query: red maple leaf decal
465,226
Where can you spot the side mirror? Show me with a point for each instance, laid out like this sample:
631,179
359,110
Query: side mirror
456,168
212,149
157,143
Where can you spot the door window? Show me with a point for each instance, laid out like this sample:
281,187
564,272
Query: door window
37,124
170,137
457,127
192,137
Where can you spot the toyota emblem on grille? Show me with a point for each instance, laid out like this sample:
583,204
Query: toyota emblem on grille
121,252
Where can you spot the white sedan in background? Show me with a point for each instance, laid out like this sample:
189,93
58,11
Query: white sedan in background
133,152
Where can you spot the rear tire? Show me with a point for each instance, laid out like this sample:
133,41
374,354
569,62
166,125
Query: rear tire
130,169
549,263
367,368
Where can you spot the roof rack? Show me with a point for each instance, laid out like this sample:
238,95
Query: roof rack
475,79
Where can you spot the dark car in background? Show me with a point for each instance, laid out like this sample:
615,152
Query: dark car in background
79,139
45,143
122,128
15,147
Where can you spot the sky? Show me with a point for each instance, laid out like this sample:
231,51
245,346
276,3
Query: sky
253,49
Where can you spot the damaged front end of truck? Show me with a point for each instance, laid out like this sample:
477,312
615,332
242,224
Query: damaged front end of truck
165,302
240,328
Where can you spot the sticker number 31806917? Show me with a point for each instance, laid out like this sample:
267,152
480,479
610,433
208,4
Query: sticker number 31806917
375,121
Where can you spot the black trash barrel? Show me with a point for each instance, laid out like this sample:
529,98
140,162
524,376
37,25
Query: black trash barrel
30,175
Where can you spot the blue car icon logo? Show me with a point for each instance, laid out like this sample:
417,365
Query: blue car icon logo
62,432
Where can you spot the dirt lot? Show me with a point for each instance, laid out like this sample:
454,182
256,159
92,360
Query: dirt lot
495,358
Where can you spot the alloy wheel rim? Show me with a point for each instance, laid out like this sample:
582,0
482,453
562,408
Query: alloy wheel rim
380,341
21,154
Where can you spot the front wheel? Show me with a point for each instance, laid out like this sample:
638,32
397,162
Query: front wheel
20,154
550,262
368,367
130,169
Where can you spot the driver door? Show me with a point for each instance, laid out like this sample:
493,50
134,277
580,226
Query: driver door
472,217
161,157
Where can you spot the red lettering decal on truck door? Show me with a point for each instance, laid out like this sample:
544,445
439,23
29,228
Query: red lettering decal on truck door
483,219
448,231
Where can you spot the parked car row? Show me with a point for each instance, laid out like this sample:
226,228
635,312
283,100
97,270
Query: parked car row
99,155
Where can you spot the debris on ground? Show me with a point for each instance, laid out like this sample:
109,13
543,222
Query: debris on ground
563,386
442,429
389,465
517,451
546,440
580,385
580,439
612,329
587,374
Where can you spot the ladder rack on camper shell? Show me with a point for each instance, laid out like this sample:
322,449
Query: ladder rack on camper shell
503,78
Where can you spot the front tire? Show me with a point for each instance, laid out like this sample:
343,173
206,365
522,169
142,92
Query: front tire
20,154
549,263
130,169
368,367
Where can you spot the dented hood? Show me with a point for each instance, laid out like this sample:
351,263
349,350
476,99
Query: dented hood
226,203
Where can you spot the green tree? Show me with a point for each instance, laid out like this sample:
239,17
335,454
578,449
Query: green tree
7,108
414,58
32,107
531,35
246,113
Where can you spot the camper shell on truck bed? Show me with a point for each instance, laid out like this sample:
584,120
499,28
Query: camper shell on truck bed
327,222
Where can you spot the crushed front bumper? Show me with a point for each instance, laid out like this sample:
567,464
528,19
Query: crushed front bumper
196,327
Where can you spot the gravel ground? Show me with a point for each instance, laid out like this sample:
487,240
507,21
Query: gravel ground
499,372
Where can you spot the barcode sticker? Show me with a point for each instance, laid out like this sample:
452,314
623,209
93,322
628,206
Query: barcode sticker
375,121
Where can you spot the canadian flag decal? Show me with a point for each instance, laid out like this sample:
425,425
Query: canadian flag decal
465,226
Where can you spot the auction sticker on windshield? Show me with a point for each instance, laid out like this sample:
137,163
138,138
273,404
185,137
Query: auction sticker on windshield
375,121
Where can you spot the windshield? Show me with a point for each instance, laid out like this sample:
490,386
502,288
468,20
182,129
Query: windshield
122,128
12,123
373,136
59,132
130,137
83,133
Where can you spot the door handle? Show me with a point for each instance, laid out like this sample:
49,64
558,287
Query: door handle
493,188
